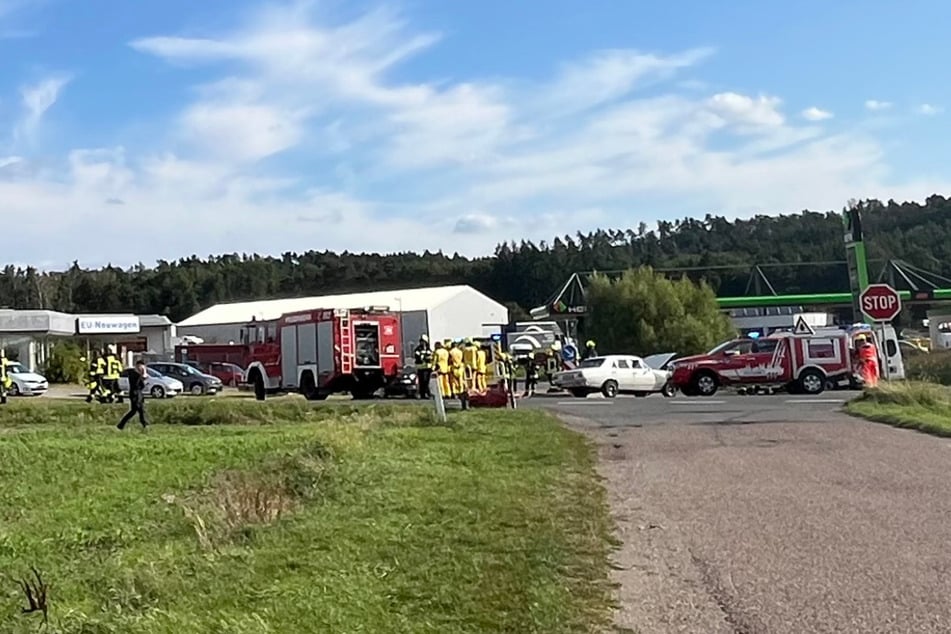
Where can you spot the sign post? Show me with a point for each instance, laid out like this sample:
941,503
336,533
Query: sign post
880,303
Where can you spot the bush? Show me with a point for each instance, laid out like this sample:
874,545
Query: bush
65,364
934,367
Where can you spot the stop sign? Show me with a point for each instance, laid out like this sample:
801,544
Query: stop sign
880,302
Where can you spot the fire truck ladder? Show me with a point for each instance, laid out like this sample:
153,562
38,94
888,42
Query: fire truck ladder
346,345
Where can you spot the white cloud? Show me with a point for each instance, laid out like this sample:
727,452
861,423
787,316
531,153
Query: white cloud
386,161
37,99
761,111
875,106
816,114
928,110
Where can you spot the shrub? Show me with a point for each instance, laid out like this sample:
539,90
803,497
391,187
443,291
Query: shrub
65,364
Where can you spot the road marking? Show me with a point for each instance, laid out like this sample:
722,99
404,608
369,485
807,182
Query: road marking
814,400
699,402
583,402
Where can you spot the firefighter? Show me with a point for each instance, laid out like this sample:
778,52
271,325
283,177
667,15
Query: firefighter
481,367
100,377
457,373
531,376
92,379
423,355
441,356
112,374
590,350
470,357
5,380
868,360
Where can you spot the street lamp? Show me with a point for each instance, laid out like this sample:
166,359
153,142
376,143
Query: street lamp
399,301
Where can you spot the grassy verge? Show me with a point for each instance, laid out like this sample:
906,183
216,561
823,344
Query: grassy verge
283,517
916,405
934,367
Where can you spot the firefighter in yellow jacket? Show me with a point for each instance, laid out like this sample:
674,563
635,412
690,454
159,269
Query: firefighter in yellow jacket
112,374
481,368
457,367
100,375
441,359
470,357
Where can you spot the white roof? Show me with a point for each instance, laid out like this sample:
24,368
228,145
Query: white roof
267,310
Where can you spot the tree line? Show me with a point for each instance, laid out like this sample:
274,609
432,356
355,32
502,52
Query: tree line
520,274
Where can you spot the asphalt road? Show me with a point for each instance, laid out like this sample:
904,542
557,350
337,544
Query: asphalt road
771,514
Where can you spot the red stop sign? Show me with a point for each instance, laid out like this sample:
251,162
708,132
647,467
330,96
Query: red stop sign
880,302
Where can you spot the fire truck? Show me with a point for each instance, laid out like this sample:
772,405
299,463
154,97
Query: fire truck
325,351
799,363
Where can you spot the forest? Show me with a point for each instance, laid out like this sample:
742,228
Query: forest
519,274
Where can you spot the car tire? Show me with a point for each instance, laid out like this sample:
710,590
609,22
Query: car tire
14,389
157,391
705,383
196,389
812,382
668,390
609,389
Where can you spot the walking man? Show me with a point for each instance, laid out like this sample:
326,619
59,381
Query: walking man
136,378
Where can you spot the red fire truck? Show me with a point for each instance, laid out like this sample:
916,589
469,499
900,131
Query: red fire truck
324,351
804,363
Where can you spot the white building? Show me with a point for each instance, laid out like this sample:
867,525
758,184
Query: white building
441,312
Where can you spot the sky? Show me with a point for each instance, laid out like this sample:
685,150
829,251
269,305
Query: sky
157,129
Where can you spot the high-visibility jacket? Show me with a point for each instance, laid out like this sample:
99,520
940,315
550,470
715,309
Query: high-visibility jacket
100,366
481,361
423,357
470,356
113,367
5,379
455,357
442,360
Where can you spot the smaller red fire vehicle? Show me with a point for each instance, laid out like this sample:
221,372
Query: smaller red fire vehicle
804,363
320,352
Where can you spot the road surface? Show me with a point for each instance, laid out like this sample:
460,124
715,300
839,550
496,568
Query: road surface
771,514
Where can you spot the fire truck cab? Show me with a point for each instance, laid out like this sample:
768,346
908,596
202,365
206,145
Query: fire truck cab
324,351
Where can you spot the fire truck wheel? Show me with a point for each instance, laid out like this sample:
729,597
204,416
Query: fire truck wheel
259,391
705,383
609,389
812,381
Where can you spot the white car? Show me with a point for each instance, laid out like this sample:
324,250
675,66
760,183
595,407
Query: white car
157,385
24,382
615,374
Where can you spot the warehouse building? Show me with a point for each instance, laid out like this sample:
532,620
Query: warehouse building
442,312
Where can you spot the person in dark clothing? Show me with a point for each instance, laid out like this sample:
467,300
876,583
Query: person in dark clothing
136,377
423,356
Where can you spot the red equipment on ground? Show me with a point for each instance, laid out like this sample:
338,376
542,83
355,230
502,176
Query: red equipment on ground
320,352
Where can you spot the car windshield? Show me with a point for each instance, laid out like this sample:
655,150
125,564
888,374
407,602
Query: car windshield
187,369
15,368
596,362
155,374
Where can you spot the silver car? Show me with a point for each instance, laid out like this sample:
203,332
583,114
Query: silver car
615,374
157,385
25,383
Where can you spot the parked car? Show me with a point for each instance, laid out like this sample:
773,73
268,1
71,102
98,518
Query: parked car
612,375
406,384
24,382
195,381
157,385
230,374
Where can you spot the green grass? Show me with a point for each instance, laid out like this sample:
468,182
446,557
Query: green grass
933,367
916,405
282,517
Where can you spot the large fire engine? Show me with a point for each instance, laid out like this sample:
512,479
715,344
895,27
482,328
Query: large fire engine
799,363
320,352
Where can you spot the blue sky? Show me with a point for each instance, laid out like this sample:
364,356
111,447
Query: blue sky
133,131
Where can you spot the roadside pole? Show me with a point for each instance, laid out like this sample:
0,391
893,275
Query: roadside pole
440,404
